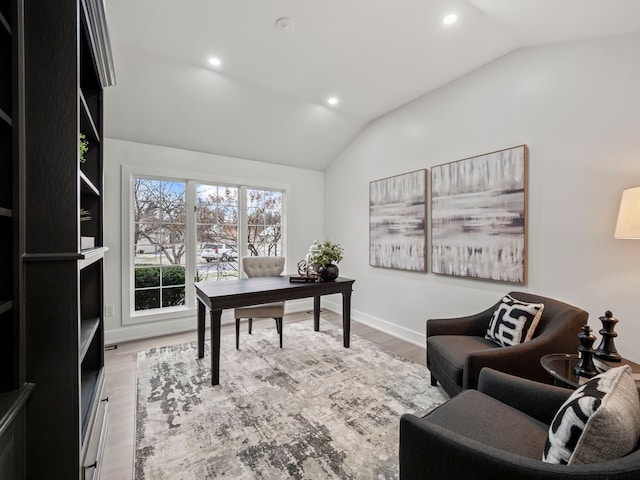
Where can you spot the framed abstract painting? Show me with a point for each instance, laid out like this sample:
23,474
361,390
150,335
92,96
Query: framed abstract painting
479,216
397,222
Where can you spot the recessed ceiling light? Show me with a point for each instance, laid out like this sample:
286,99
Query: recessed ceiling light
332,101
449,19
215,61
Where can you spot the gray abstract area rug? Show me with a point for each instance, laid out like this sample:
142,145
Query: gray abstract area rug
312,410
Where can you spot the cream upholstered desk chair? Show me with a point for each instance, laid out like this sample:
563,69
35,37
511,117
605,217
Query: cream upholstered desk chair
261,267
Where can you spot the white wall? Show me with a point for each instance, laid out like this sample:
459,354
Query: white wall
577,107
304,199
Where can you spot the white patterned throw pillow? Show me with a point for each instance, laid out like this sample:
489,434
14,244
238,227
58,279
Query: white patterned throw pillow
514,321
600,421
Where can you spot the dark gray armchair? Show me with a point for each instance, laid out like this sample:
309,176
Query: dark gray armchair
457,349
496,432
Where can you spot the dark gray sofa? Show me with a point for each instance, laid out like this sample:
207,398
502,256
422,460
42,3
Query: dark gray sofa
457,349
495,432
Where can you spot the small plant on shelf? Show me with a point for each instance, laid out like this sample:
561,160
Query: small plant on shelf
85,215
84,148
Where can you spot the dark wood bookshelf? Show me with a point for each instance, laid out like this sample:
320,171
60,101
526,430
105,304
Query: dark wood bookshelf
12,435
10,405
6,167
90,380
88,330
87,186
4,23
88,125
62,304
5,306
6,61
55,61
15,390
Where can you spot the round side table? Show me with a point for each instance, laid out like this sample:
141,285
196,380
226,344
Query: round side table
560,367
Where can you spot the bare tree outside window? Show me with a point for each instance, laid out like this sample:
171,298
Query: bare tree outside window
264,222
159,227
159,209
159,230
217,232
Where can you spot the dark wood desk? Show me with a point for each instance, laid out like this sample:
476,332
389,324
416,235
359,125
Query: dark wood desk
217,296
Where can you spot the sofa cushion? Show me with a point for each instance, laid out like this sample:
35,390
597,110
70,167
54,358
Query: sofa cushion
600,421
514,321
450,352
484,419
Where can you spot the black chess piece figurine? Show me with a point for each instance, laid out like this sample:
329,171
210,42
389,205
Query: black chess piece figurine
607,350
585,367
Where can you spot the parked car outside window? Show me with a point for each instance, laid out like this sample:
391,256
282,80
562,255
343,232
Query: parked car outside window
214,251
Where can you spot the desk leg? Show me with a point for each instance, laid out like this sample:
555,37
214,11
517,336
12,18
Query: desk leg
215,346
316,314
201,327
346,318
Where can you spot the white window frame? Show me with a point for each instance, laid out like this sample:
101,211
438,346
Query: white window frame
128,173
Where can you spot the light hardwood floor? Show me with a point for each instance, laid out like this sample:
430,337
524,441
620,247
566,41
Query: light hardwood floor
120,386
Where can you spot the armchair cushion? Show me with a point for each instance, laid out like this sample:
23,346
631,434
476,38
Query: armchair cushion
449,354
600,421
514,321
492,423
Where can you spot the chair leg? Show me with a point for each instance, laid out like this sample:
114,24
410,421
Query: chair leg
434,381
237,333
279,325
250,325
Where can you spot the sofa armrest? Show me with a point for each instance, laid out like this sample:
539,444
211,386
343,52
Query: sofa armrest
475,325
537,400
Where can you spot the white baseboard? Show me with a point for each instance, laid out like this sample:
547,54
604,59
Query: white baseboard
149,330
169,327
411,336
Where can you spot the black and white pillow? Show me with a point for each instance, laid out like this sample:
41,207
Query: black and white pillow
600,421
514,321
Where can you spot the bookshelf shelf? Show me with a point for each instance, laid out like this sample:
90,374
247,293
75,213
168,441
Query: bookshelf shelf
62,239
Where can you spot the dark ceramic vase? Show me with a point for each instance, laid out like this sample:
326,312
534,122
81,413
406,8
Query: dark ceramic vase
328,273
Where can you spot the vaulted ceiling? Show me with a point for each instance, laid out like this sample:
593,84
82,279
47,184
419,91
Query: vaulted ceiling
267,100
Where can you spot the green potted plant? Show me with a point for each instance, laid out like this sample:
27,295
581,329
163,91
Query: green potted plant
325,257
84,148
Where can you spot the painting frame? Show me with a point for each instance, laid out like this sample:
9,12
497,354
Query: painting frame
398,222
479,216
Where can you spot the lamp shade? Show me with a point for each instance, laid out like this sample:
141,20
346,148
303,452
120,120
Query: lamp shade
628,225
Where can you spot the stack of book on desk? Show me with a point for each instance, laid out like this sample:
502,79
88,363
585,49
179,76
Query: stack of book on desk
303,278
